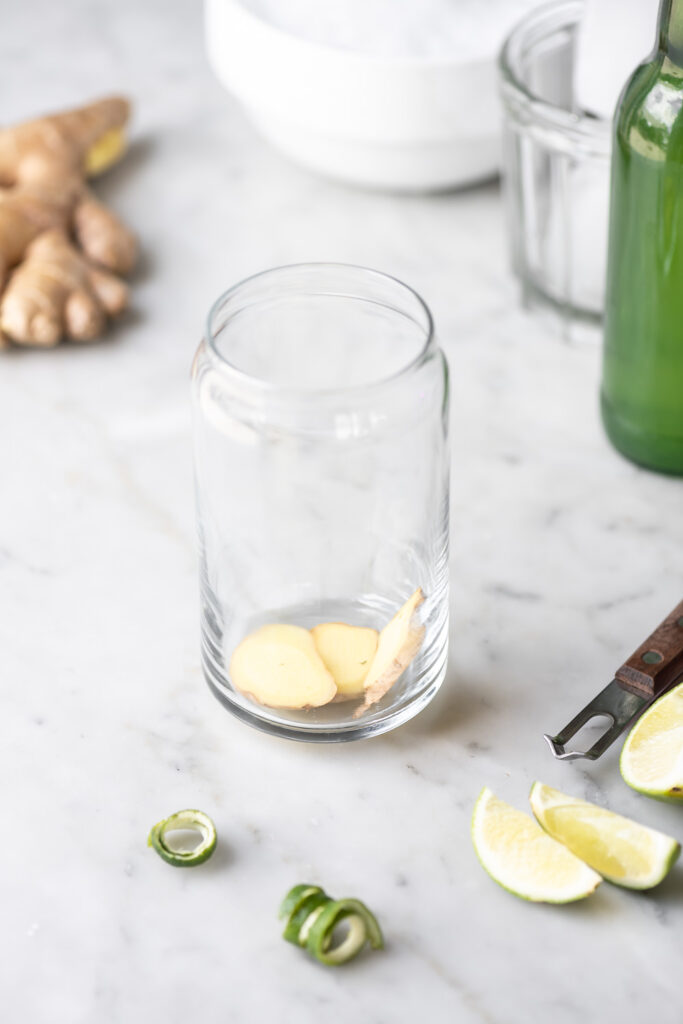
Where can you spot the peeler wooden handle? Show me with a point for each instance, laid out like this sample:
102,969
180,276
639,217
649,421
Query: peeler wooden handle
658,662
652,669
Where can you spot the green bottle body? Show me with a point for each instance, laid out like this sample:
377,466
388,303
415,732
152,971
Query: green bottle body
642,383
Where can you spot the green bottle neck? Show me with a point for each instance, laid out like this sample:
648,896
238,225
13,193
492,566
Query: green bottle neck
671,30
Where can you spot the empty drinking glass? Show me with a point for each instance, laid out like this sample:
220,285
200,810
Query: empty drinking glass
320,403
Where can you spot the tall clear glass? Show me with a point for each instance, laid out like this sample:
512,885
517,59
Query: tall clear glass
320,401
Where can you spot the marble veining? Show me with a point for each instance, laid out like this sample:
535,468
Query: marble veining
563,555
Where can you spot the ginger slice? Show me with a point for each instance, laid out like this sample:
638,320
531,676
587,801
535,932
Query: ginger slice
347,652
399,642
279,666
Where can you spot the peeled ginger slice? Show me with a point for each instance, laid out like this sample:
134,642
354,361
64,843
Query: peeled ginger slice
347,652
280,667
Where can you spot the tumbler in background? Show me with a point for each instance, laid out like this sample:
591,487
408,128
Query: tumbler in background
556,173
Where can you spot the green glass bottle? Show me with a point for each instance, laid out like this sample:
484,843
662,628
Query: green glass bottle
642,384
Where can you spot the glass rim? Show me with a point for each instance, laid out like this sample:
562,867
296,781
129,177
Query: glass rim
261,386
578,125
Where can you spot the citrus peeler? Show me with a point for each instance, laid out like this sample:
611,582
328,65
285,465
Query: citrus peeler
649,672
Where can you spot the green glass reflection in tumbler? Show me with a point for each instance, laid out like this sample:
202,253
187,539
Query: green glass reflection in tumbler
642,385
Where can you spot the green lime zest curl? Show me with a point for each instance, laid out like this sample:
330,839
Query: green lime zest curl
191,820
312,917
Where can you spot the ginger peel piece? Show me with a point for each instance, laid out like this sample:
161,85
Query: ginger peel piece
347,652
399,642
279,666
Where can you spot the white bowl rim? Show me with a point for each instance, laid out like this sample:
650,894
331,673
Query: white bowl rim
356,56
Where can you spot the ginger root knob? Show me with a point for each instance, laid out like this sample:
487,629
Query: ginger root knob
59,247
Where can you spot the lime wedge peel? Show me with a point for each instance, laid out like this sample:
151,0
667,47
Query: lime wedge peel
652,757
619,849
522,858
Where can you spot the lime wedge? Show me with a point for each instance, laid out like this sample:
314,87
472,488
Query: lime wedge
652,756
521,857
622,851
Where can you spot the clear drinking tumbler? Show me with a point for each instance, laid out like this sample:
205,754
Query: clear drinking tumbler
556,172
320,403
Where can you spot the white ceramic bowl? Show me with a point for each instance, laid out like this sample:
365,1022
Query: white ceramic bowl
398,123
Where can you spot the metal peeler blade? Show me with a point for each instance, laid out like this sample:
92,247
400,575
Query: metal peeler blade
614,703
652,670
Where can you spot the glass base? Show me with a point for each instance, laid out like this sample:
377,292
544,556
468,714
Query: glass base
333,723
652,451
572,323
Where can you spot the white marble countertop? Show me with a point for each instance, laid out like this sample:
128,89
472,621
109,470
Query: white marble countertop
563,556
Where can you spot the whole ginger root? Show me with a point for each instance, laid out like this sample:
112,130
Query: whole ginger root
61,251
